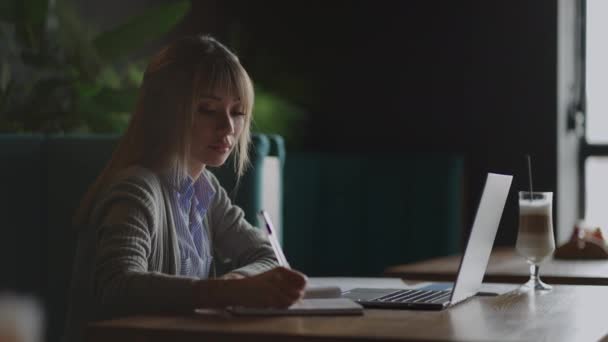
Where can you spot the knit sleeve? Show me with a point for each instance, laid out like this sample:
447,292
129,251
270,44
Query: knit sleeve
128,219
234,238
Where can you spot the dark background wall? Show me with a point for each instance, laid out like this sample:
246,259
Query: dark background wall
386,77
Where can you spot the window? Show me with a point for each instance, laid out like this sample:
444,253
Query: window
595,144
597,71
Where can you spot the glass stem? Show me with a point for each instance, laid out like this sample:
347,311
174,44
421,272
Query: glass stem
534,269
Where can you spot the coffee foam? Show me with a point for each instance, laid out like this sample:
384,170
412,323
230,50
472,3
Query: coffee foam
536,207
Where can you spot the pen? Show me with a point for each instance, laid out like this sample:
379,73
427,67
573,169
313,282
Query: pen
274,242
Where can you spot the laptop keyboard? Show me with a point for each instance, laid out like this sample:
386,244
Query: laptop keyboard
415,296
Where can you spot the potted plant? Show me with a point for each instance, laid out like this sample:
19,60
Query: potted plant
59,76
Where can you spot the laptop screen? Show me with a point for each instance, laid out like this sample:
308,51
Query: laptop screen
477,253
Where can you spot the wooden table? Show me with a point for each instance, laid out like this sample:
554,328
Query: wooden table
505,266
568,313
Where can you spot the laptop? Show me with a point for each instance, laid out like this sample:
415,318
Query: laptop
472,266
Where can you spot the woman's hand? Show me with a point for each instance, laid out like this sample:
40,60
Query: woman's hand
279,287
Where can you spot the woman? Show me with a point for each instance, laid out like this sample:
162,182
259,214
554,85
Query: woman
155,219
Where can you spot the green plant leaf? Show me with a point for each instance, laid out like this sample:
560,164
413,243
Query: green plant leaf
109,77
31,20
117,100
104,106
274,114
35,11
4,97
8,10
148,26
135,74
5,75
113,122
75,37
86,90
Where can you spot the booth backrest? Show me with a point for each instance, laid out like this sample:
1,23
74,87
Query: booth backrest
356,215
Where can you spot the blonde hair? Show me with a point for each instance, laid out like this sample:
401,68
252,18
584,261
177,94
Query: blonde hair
158,135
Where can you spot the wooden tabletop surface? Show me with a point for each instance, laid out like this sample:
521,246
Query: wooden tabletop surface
567,313
505,266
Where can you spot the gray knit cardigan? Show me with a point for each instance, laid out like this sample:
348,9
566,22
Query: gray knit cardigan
127,258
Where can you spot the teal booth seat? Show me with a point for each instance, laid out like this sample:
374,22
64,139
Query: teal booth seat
356,215
272,195
42,179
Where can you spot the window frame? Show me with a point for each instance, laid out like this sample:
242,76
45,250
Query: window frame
577,119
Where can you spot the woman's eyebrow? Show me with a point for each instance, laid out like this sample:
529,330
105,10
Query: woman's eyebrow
216,98
210,97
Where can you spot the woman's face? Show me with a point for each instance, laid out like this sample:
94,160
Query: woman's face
218,124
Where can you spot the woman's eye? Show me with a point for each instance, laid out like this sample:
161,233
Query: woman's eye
205,110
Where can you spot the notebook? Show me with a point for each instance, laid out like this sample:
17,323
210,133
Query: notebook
307,307
472,265
319,291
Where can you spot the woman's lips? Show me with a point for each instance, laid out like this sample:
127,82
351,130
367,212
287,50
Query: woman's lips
221,148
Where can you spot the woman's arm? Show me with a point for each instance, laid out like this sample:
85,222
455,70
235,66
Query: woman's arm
123,281
125,286
234,238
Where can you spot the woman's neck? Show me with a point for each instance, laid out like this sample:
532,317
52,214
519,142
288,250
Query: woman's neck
195,170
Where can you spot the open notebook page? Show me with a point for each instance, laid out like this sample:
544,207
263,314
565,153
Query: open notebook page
305,307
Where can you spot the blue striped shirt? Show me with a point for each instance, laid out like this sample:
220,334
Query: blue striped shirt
190,203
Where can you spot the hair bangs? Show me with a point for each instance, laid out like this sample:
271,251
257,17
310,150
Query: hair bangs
225,77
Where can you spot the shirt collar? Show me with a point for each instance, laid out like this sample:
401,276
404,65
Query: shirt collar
203,193
199,192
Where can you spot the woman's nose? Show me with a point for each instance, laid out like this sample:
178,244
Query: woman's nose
226,123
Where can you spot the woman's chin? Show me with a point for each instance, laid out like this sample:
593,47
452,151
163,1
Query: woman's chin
216,162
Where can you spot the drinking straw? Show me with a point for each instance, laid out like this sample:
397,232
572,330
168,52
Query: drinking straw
530,175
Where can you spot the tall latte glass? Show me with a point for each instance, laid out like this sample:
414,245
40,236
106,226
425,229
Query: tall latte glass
535,240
